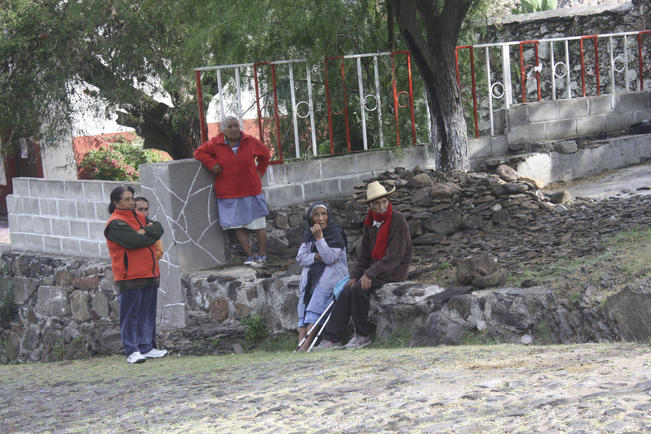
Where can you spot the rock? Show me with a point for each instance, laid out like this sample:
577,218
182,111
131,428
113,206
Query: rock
526,339
99,304
422,197
24,288
566,147
630,310
428,239
507,173
444,223
420,181
515,188
62,277
242,311
79,305
52,301
237,348
474,267
281,220
528,283
219,309
497,278
87,283
516,147
444,190
534,183
560,208
563,196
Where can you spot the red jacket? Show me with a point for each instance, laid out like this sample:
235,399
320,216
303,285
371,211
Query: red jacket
129,264
240,174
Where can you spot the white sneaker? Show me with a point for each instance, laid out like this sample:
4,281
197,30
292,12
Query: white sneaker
155,354
136,357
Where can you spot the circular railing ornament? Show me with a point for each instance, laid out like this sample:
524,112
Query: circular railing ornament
366,107
497,90
298,106
563,72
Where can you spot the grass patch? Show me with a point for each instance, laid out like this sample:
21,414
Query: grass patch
627,256
399,338
476,337
279,343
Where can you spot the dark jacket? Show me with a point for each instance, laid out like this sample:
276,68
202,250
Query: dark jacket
394,266
240,176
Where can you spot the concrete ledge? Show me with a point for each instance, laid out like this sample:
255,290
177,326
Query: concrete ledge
607,155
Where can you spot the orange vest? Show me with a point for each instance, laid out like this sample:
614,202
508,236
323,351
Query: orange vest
128,264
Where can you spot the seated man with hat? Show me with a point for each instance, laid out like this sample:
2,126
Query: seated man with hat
383,256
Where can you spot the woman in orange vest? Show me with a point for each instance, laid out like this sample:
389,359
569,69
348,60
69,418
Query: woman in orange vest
130,238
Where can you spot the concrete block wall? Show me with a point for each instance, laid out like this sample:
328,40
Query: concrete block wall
60,217
576,117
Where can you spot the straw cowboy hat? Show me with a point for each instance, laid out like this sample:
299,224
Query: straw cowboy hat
375,190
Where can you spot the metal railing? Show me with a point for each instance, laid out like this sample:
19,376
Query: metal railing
559,72
563,68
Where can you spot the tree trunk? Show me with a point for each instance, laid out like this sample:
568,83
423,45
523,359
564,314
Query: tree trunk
151,119
431,33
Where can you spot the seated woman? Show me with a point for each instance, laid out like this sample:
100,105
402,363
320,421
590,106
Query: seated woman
323,258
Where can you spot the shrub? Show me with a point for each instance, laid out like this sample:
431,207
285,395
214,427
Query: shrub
255,330
118,161
7,306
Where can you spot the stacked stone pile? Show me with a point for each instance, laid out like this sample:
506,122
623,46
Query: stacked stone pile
455,215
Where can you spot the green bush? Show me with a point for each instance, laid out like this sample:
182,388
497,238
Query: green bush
118,162
255,330
7,306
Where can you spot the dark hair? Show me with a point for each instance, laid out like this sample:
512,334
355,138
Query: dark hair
140,199
116,195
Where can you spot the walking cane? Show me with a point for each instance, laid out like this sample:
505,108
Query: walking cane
320,331
316,323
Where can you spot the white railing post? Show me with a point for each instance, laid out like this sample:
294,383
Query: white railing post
362,101
379,103
567,66
221,95
612,63
490,90
626,64
239,98
294,122
553,64
311,107
506,72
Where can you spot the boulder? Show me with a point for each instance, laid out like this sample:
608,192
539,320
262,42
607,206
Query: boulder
563,196
474,267
507,173
566,147
52,301
79,305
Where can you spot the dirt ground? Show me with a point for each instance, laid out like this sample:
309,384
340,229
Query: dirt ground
466,389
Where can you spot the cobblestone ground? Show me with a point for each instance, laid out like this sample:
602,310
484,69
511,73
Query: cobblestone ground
503,388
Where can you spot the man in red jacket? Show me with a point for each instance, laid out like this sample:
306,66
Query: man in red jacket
239,161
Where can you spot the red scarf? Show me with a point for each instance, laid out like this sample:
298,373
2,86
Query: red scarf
383,233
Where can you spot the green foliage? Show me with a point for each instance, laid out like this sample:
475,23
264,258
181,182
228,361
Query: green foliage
118,162
7,307
255,329
476,337
279,343
399,338
574,298
529,6
59,350
542,333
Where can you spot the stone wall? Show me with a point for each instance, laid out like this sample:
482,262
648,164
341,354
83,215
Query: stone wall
63,308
